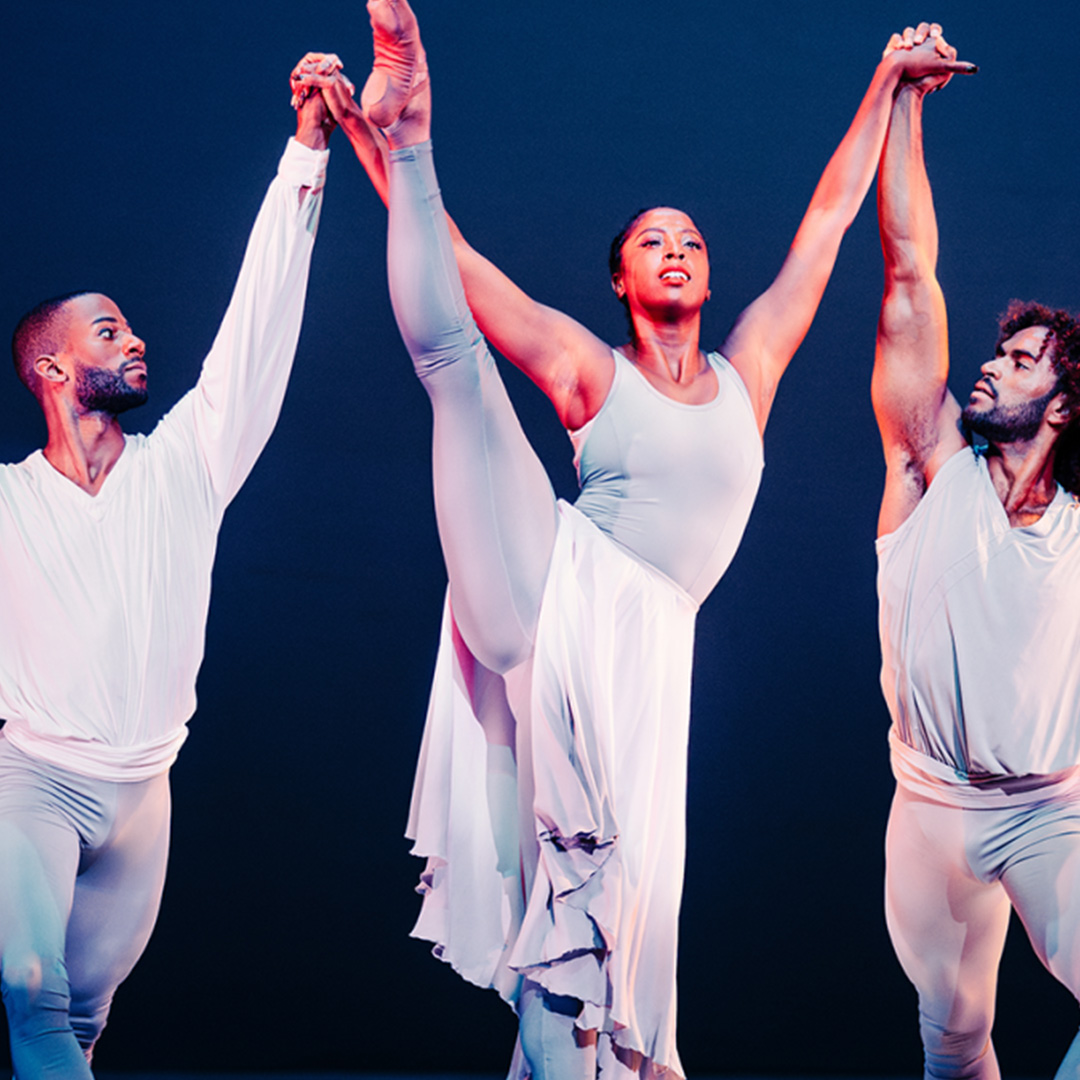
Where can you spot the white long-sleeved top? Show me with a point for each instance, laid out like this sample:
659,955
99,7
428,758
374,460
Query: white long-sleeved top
104,599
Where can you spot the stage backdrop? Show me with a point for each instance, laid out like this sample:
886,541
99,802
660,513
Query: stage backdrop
139,139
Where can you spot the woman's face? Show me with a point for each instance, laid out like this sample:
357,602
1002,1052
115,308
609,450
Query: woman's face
665,265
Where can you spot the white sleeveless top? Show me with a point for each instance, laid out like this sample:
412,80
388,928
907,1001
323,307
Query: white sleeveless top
672,483
980,630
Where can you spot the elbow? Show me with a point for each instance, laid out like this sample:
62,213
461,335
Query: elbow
907,266
901,309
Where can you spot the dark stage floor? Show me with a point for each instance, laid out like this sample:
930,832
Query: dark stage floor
427,1076
419,1076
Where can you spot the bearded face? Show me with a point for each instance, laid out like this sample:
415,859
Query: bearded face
102,390
1008,423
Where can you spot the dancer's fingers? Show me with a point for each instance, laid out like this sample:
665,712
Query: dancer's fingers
895,42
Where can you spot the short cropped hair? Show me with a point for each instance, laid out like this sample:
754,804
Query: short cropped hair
1064,343
40,332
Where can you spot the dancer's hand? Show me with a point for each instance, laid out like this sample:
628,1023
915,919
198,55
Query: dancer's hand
314,123
320,74
927,60
315,71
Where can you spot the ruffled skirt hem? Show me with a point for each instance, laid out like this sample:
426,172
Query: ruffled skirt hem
550,805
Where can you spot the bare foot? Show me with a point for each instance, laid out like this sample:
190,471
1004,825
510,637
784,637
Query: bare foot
397,94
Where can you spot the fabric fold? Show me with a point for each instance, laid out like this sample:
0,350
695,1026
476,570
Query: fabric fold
550,805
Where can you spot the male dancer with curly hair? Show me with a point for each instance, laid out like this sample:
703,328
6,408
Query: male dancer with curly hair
979,582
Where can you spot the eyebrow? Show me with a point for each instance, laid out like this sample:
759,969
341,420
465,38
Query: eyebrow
663,229
105,318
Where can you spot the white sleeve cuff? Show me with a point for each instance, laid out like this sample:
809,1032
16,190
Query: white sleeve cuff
300,166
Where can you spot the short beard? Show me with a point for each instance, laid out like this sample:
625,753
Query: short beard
101,390
1007,424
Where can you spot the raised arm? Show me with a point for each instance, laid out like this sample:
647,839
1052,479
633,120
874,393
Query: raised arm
568,362
766,335
235,404
916,412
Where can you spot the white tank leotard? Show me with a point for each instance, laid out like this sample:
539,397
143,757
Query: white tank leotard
672,483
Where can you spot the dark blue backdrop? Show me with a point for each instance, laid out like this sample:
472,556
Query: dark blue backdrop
139,140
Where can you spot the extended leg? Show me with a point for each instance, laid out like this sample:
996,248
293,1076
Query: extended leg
494,503
948,929
117,897
1043,881
39,854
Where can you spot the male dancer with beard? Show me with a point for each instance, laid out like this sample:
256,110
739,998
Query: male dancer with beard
106,547
979,581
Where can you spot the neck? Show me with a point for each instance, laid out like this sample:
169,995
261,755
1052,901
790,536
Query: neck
671,350
82,446
1023,476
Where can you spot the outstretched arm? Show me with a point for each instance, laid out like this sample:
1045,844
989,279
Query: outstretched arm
916,412
568,362
236,401
767,333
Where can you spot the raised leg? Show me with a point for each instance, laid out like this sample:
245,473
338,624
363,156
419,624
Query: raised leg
397,94
494,503
948,929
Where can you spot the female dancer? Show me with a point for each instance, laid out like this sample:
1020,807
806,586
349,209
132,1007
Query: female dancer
550,793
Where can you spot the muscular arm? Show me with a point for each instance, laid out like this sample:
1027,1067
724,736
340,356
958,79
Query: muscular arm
568,362
916,413
766,335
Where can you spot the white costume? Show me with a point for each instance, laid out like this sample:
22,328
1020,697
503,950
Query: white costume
104,611
980,639
550,802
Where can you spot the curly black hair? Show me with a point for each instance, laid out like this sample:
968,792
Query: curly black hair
1064,339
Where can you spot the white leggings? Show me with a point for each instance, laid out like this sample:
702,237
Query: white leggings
952,873
82,866
493,500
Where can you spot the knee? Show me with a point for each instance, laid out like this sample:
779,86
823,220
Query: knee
959,1049
503,656
446,357
88,1021
36,995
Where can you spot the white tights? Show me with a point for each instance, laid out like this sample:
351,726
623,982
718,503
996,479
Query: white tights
952,874
82,866
494,503
493,500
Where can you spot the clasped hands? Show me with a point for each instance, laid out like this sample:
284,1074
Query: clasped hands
926,58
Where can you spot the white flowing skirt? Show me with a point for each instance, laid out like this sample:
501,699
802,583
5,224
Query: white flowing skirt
550,803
